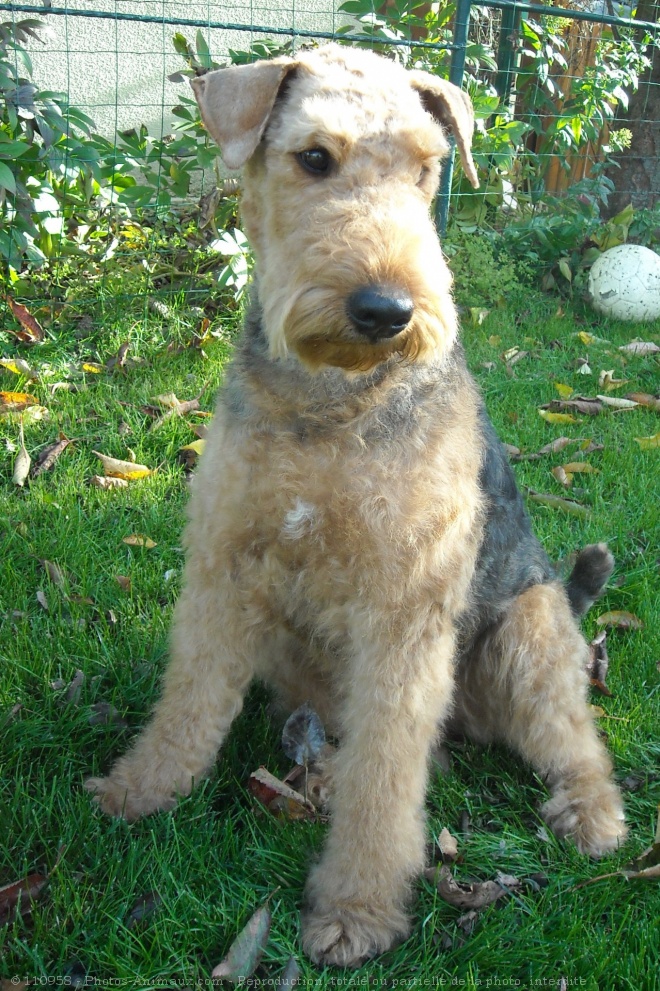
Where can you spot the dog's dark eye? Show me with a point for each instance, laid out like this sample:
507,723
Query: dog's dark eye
316,160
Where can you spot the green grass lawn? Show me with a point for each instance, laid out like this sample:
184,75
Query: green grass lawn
216,858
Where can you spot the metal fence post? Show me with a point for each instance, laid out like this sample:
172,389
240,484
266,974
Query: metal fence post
507,51
461,27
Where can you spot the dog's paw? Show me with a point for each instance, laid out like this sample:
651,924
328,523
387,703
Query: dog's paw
346,935
119,796
592,817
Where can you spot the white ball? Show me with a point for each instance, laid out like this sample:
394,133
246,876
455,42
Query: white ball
624,283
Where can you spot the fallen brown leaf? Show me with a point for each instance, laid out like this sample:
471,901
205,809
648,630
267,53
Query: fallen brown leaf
581,404
74,689
278,797
189,454
247,949
471,895
645,399
42,600
118,360
640,348
124,582
513,452
646,867
599,663
564,477
105,482
22,461
105,714
556,445
620,619
32,332
53,571
19,897
144,906
49,455
291,974
448,846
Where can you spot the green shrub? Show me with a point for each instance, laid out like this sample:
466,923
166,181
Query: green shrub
483,275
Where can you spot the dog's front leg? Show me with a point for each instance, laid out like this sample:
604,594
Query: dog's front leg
357,895
210,668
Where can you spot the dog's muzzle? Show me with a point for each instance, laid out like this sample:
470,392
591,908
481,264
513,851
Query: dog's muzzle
379,312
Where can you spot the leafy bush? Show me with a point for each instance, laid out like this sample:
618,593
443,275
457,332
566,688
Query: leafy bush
548,118
47,164
483,274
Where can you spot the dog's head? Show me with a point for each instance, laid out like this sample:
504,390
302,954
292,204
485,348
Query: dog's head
342,152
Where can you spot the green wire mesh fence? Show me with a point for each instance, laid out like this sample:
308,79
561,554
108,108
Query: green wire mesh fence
103,159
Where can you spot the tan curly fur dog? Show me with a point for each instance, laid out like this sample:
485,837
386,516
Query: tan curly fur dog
356,537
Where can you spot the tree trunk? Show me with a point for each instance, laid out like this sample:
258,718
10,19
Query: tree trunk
637,180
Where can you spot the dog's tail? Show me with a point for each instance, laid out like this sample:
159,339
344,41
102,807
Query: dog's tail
588,579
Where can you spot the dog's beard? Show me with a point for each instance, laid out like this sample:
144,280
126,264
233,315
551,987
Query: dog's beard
314,324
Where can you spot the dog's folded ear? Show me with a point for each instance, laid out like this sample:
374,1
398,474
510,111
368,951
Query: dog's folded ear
236,103
452,108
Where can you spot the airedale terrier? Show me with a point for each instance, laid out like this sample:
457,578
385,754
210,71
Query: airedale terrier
355,535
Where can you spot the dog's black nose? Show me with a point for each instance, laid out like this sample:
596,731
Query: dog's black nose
379,311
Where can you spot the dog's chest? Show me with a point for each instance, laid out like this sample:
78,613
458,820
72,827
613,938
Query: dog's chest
311,525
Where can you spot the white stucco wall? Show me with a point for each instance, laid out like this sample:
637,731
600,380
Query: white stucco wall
116,71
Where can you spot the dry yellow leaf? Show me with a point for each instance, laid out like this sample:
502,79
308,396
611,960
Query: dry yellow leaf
646,443
565,391
92,367
607,382
557,417
139,540
584,466
197,446
586,338
122,469
14,402
18,366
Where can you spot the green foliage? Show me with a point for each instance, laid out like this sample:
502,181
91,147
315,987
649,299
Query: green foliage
565,123
561,117
48,166
75,195
483,274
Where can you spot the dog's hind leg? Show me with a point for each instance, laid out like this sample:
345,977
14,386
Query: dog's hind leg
210,669
526,684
